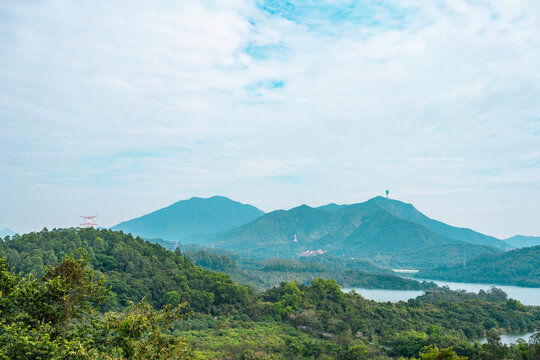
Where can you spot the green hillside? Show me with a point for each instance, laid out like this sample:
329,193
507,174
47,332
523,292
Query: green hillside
188,219
267,273
362,230
58,312
409,212
135,268
517,267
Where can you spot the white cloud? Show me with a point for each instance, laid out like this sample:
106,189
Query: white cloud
424,95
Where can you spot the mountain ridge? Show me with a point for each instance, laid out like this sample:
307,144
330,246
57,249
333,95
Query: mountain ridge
191,218
363,229
409,212
392,231
520,241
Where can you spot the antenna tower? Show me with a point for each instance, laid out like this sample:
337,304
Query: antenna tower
88,223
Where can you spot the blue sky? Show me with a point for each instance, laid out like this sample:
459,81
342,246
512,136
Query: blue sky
121,108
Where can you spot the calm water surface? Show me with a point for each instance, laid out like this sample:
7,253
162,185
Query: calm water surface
527,296
510,339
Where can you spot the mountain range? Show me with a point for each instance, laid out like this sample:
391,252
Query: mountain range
520,241
389,232
188,220
366,230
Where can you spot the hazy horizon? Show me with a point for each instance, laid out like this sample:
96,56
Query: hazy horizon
120,109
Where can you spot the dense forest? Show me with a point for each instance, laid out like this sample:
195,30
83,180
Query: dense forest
134,268
63,309
56,316
267,273
519,267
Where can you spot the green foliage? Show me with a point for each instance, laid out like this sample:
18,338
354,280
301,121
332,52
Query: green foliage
267,273
69,291
55,317
432,353
517,267
135,268
54,314
290,300
365,230
357,352
173,298
210,261
139,333
408,343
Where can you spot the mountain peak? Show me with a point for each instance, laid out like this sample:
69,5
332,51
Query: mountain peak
363,229
211,198
330,207
187,219
384,199
409,212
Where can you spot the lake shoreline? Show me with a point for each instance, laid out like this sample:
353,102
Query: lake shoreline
526,295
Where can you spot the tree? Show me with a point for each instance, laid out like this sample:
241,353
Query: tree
139,333
433,353
56,317
495,348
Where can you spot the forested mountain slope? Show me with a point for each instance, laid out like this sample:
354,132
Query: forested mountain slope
316,321
360,230
134,268
517,267
410,213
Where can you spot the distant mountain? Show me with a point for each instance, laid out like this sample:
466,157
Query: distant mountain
517,267
365,230
521,241
409,212
330,207
5,232
187,220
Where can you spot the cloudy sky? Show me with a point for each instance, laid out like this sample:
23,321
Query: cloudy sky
120,108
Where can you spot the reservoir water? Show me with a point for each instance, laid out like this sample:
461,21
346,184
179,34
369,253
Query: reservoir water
527,296
510,339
